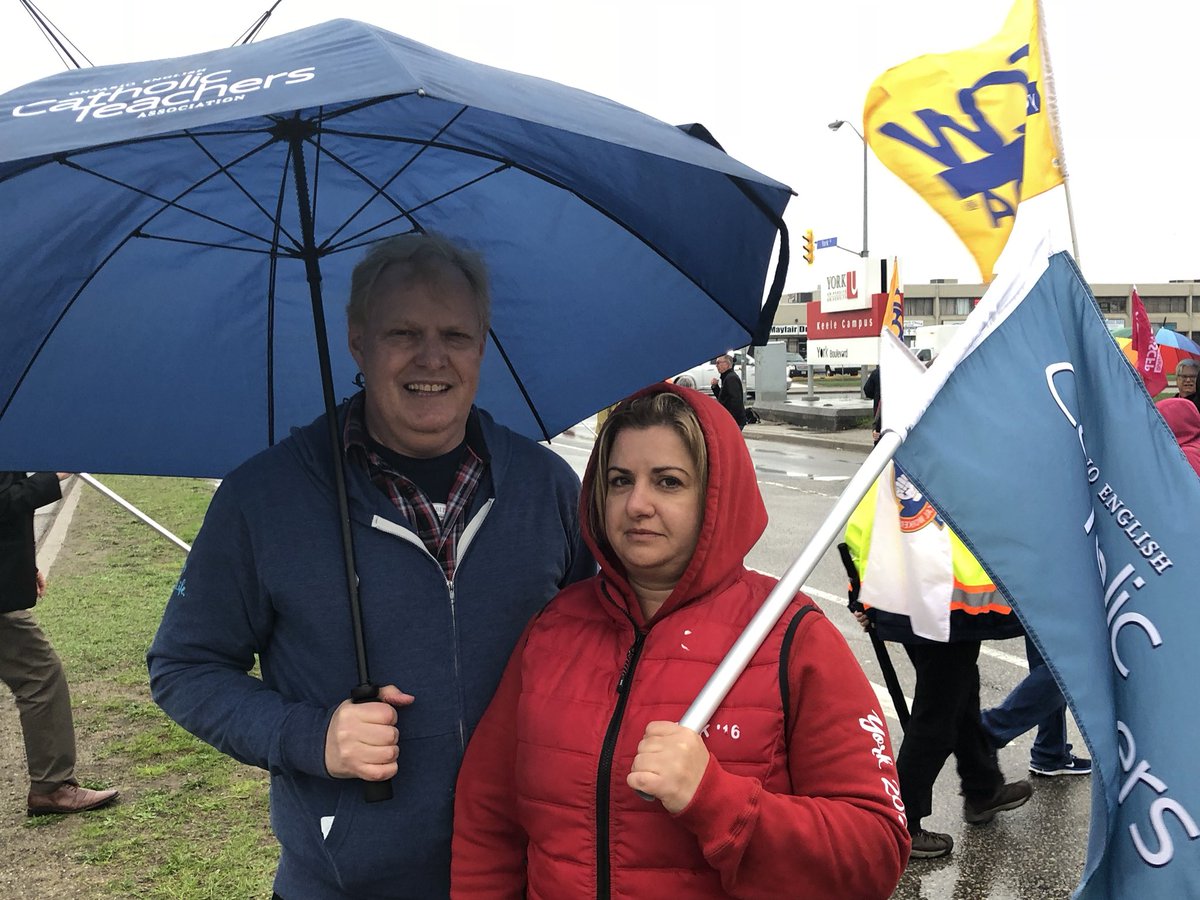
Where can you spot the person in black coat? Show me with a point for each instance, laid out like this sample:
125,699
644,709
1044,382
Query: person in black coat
728,390
873,392
28,664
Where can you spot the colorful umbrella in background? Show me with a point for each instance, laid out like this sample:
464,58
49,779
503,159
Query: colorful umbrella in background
1172,345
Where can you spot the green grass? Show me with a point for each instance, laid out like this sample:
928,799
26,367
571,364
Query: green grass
192,823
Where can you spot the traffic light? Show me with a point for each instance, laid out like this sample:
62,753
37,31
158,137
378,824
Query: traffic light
809,251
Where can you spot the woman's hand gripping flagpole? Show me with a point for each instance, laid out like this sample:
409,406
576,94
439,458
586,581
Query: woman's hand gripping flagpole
912,392
744,648
727,673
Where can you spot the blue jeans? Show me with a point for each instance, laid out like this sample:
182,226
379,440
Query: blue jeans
1035,701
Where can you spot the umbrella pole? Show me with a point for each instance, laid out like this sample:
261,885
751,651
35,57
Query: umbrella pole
294,131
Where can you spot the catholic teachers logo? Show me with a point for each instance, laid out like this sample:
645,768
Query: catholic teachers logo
164,94
996,170
915,511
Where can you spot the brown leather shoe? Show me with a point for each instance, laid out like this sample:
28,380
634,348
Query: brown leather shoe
68,798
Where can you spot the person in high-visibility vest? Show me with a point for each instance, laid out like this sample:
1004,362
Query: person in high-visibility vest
945,716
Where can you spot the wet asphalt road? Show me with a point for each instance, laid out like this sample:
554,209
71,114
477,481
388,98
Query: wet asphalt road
1032,853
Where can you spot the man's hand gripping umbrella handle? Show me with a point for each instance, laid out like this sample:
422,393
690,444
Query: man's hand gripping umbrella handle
373,791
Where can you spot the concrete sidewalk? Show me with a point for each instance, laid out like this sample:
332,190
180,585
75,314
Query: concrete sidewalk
857,440
50,524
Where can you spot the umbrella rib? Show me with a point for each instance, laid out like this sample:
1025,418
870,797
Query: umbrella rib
58,320
178,240
533,173
520,384
163,200
316,168
136,232
379,189
70,154
323,116
404,212
409,213
271,285
224,170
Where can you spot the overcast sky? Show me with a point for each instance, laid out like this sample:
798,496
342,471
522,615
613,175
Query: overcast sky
766,77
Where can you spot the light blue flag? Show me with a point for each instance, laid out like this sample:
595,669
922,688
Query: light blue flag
1045,454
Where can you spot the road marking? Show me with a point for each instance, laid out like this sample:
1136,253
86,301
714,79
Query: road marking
1009,658
881,692
797,488
885,701
788,473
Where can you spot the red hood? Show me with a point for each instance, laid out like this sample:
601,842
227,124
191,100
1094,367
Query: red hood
734,514
1184,421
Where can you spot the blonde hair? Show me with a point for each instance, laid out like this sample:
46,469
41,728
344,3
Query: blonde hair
647,411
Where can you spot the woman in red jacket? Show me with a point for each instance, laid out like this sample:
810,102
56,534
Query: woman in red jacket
1185,425
790,790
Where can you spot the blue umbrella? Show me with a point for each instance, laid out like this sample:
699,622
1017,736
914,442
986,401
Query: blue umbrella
173,229
169,226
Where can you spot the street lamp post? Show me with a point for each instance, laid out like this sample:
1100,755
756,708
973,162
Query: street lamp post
834,126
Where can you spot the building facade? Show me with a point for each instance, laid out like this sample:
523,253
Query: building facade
1174,305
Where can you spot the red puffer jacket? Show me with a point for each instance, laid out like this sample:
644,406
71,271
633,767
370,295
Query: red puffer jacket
800,797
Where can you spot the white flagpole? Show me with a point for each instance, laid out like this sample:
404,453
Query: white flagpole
1050,98
911,395
744,648
125,504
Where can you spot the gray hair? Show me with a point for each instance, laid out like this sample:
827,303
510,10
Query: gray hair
426,257
1188,363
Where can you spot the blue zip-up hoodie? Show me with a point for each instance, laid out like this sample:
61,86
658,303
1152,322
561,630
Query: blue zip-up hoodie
266,578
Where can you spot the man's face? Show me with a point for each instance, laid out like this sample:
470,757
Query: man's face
722,365
419,349
1185,379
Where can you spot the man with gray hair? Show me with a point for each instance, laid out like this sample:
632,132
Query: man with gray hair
462,531
728,390
1185,379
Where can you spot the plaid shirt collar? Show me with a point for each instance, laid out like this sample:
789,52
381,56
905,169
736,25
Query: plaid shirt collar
439,527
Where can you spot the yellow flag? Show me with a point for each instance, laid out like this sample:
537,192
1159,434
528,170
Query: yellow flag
895,303
972,131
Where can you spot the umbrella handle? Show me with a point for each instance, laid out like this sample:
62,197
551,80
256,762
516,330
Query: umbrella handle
373,791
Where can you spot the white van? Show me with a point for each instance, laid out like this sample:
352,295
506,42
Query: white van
929,340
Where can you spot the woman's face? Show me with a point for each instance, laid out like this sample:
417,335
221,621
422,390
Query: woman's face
653,511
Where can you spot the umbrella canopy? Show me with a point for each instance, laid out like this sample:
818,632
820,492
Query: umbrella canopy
1172,347
172,226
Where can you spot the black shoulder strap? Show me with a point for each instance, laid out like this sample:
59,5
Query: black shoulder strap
785,652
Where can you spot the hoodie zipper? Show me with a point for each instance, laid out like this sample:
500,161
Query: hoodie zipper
461,551
607,752
386,525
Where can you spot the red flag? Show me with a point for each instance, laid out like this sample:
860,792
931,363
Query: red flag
1149,360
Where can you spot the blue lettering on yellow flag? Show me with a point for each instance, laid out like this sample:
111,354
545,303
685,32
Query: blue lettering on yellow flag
967,131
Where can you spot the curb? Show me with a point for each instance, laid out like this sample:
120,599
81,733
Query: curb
52,525
855,441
